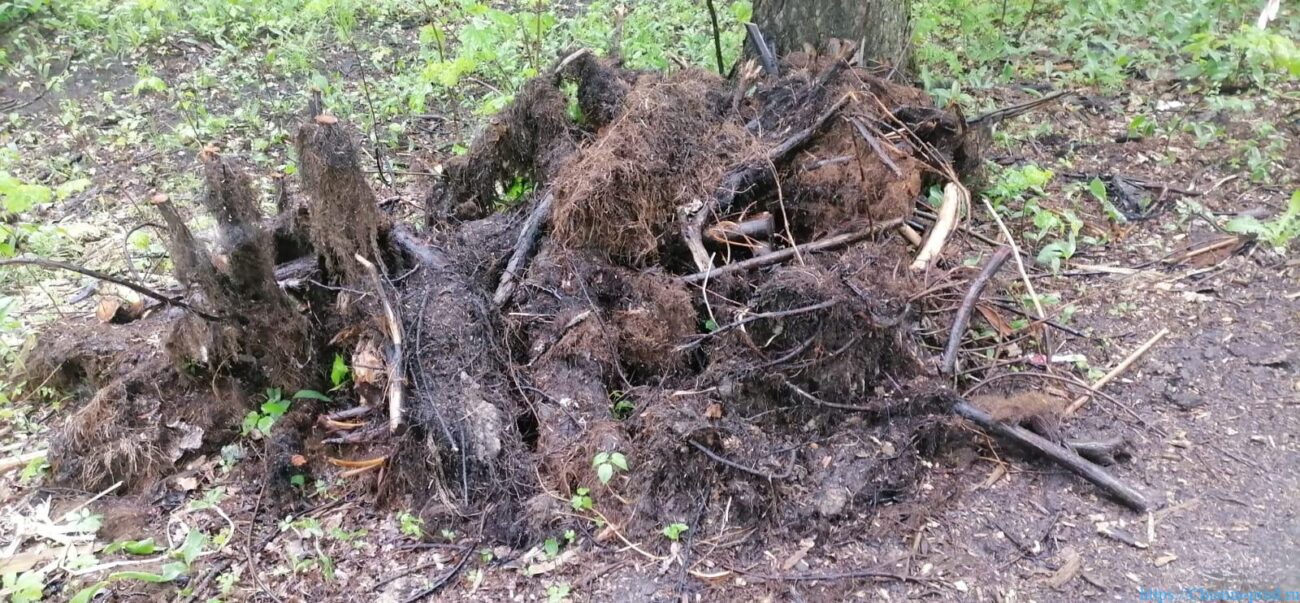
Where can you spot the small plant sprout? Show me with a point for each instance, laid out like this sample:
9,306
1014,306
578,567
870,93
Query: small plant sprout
410,525
339,372
581,500
558,593
621,405
674,531
607,464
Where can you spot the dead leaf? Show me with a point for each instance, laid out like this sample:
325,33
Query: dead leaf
1165,559
995,319
999,471
1071,563
368,367
714,411
187,484
115,310
298,460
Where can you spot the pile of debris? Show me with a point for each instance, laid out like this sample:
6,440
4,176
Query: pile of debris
716,294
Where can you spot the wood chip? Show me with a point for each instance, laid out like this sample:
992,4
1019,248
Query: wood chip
1165,559
999,471
1121,536
1071,563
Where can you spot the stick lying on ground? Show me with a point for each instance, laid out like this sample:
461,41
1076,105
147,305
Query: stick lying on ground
1115,372
141,289
782,255
1066,458
949,363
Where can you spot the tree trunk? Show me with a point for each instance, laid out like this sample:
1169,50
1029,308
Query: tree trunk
881,26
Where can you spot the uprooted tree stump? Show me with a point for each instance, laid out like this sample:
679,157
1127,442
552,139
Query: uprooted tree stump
705,280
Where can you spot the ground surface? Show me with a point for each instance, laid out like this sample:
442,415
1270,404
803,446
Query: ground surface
1218,397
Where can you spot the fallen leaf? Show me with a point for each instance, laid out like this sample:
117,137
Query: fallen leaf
995,319
1071,563
999,471
368,365
1165,559
187,484
714,411
298,460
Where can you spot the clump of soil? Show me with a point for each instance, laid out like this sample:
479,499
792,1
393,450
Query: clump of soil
792,392
621,192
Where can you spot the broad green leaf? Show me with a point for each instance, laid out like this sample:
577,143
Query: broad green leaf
339,372
311,394
133,547
193,545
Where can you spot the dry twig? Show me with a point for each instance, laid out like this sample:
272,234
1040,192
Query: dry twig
1115,372
949,364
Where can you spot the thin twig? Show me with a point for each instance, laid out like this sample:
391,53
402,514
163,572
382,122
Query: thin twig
737,466
874,143
1115,372
1062,456
949,363
782,255
524,247
138,288
443,580
374,121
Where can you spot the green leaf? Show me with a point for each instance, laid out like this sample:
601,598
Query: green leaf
86,594
605,472
339,372
264,424
1098,189
310,394
149,577
133,547
193,545
250,422
618,460
275,408
674,531
71,187
551,547
1245,225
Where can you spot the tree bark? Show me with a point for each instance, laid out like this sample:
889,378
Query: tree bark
882,27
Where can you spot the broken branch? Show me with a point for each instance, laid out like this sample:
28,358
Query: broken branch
524,247
1066,458
949,364
395,389
742,178
954,196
